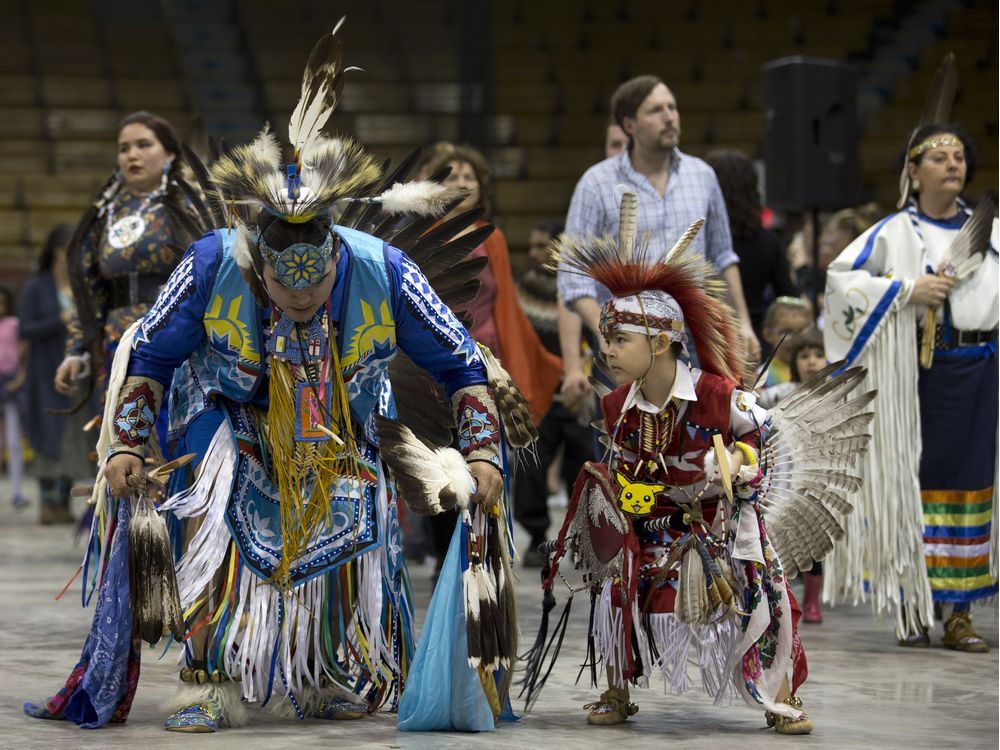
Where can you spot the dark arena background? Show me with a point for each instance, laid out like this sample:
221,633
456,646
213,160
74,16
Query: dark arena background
527,82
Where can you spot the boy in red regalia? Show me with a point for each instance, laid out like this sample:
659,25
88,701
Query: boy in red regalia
669,530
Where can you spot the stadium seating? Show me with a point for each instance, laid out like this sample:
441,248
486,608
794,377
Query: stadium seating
69,70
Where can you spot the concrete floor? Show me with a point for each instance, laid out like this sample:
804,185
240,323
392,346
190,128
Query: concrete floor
863,690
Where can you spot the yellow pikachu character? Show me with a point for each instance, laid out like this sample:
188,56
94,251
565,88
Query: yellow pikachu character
637,498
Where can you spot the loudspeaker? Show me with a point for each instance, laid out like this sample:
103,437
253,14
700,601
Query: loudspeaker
810,134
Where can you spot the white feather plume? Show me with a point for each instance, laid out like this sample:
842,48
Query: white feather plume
429,481
241,248
423,197
266,147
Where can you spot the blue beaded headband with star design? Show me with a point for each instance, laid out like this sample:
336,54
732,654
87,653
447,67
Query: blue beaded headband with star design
300,265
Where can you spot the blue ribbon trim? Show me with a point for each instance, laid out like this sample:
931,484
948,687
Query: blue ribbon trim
961,597
979,351
866,251
958,532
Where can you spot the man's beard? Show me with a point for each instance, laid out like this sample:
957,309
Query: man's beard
668,141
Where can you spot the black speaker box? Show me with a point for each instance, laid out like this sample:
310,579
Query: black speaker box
810,134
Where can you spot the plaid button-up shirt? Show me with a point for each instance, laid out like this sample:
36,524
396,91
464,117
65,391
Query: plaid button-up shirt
692,193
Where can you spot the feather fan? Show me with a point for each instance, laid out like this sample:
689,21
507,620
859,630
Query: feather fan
429,481
818,434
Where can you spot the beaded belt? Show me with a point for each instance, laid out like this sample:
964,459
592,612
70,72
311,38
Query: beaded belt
946,337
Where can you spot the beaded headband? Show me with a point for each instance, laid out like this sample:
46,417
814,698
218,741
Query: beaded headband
650,312
933,142
300,265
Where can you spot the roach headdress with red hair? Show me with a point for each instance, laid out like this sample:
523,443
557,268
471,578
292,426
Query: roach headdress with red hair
660,296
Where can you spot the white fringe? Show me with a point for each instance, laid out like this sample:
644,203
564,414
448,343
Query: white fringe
208,496
714,645
709,647
884,536
119,371
609,636
225,696
257,616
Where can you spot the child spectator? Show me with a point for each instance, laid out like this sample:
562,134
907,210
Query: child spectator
11,378
785,316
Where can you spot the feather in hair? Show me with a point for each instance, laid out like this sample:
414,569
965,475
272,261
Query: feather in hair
322,83
937,111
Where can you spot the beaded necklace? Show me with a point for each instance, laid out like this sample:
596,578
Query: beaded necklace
128,230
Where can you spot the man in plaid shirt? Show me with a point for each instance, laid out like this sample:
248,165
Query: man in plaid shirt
673,188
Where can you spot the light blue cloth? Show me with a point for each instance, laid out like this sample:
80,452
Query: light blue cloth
443,692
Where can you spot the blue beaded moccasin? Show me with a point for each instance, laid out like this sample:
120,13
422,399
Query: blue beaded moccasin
198,717
341,709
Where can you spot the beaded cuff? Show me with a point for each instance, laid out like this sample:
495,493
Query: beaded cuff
135,418
478,424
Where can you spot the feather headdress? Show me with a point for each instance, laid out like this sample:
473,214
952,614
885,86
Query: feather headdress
252,181
627,266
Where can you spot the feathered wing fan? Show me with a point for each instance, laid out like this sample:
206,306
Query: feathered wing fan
971,244
965,254
818,433
937,111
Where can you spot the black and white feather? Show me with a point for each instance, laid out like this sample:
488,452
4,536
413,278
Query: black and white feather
429,480
969,248
937,111
817,436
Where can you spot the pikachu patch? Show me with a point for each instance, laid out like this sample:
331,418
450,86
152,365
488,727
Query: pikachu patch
637,498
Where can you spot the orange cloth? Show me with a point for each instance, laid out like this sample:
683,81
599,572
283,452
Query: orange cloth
535,370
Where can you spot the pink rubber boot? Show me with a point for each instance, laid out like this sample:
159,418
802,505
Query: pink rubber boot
810,601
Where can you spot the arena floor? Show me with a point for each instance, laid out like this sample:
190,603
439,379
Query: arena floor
863,691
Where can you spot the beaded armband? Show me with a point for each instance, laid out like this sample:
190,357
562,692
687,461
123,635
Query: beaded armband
135,417
478,424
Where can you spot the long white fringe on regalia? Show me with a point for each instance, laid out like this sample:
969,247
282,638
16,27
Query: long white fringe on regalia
265,616
256,621
881,558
